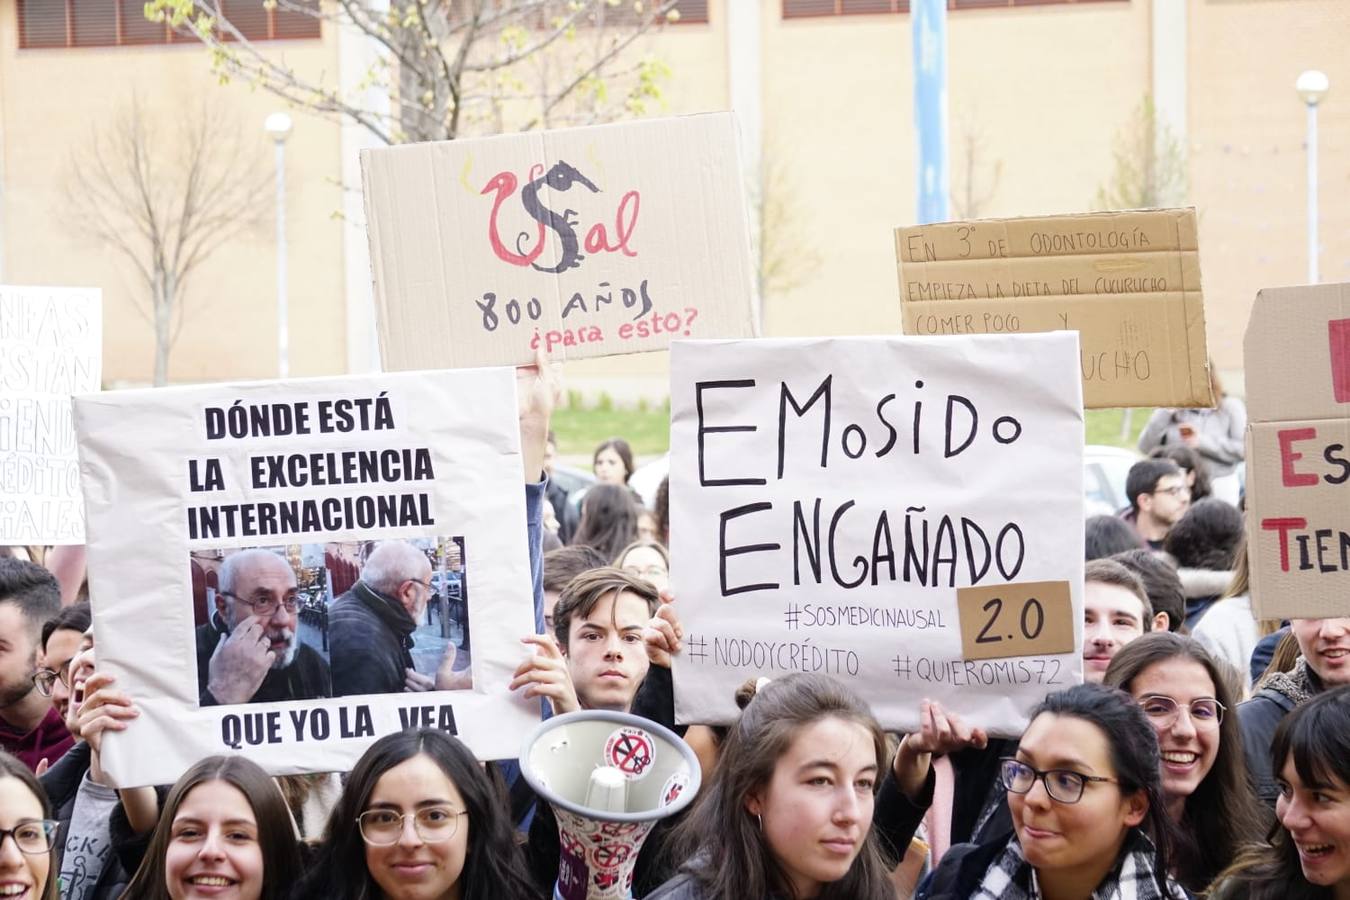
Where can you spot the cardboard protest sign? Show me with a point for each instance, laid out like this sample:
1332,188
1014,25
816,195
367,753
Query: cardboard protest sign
1298,461
51,345
901,513
228,528
586,241
1128,282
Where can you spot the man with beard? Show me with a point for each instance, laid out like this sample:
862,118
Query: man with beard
370,628
250,652
30,727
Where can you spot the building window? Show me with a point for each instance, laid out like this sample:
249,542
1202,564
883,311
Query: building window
803,9
692,12
114,23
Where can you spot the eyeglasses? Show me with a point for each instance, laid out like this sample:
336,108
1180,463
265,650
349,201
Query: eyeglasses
434,825
647,572
1163,711
1063,785
1176,490
265,608
45,679
34,837
425,584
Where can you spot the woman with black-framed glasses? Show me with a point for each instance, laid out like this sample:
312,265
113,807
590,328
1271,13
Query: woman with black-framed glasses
1085,795
418,818
1189,698
27,833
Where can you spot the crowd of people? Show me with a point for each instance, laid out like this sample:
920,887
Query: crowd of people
1205,754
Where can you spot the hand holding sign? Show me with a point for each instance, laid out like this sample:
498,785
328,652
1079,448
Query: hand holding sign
663,632
240,663
104,709
546,675
538,390
941,732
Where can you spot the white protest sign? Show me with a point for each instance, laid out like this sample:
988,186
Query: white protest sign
587,242
902,513
297,481
50,347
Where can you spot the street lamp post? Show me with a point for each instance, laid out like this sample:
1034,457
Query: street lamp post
1312,86
278,125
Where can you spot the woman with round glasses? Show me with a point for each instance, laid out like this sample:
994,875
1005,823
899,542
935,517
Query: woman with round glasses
418,820
224,834
27,834
1188,698
1086,801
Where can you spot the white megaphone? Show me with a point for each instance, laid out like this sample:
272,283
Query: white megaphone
609,777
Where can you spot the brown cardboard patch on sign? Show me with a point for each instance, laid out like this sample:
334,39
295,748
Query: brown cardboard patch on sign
1128,282
1034,618
584,241
1298,451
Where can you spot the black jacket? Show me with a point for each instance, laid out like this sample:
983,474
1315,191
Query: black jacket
306,678
961,870
1258,718
370,642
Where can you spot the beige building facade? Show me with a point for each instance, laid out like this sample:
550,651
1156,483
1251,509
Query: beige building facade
1037,96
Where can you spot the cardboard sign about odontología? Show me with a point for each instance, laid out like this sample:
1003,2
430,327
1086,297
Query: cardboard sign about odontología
291,570
901,513
51,346
585,241
1127,282
1297,353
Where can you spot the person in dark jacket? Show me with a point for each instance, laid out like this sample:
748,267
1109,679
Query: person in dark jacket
1323,663
1085,797
250,651
370,627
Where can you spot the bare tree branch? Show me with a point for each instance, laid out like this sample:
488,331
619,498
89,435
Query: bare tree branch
446,61
166,205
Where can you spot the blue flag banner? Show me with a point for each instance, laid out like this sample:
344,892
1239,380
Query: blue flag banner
929,19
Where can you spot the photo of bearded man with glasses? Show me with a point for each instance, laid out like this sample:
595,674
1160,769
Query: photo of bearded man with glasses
250,651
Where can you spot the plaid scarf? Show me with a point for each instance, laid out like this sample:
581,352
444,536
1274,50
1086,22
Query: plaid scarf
1011,877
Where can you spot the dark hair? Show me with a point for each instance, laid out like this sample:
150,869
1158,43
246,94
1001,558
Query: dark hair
31,588
1188,461
1316,736
721,845
661,509
494,868
609,516
1207,536
582,594
619,446
566,563
75,617
276,831
12,768
1222,814
1108,535
1133,747
1161,583
1144,477
1108,571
